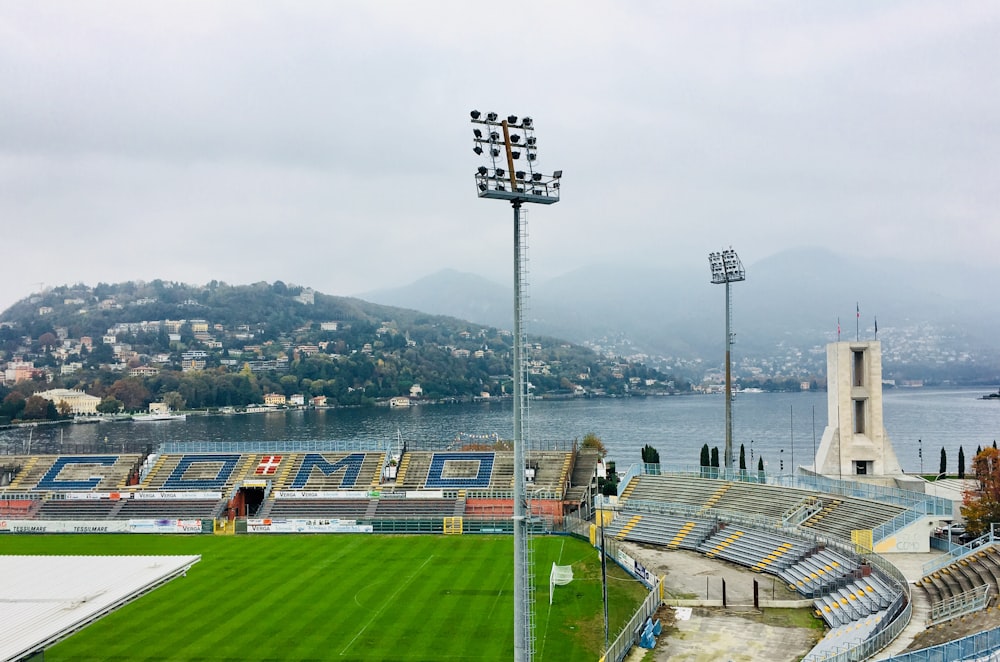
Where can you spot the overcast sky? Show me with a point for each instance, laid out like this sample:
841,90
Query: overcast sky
328,144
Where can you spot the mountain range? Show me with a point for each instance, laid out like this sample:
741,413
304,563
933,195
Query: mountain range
794,299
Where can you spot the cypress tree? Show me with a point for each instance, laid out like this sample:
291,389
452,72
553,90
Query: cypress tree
705,462
760,464
943,469
715,457
743,458
961,462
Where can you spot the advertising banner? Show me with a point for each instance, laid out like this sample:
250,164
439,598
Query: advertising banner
164,526
89,496
61,526
306,526
156,494
313,494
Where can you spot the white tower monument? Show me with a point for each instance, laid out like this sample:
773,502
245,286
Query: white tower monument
855,445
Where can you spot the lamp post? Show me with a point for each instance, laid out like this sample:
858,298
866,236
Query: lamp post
502,142
727,268
920,454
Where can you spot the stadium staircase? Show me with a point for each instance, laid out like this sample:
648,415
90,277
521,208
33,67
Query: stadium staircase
29,475
716,496
285,472
244,469
164,465
404,465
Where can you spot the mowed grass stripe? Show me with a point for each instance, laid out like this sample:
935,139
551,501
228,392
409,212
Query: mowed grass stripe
304,598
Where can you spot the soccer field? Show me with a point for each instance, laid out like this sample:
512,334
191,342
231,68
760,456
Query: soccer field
344,597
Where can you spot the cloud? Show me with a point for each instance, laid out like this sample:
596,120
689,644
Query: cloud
328,143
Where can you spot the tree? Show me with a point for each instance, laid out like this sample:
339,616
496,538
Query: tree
981,504
760,464
64,408
650,455
36,407
133,395
174,400
109,405
943,469
13,405
715,457
961,462
705,461
593,442
743,458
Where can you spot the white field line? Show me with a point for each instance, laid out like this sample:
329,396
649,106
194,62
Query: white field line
386,602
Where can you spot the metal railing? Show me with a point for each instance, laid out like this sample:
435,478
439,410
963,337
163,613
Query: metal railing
958,552
924,503
958,605
974,647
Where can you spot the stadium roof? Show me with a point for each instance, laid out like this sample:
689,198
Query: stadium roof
45,598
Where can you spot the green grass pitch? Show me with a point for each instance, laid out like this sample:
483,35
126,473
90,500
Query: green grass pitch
402,598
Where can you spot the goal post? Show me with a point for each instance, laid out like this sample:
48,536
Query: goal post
559,576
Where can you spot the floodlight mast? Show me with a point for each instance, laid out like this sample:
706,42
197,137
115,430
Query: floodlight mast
727,268
527,185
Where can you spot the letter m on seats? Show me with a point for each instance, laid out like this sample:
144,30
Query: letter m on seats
350,465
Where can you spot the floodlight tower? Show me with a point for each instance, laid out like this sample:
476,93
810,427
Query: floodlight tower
727,268
504,141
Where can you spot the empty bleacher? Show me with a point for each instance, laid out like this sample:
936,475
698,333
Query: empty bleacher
169,508
75,472
976,569
76,509
318,508
414,508
837,517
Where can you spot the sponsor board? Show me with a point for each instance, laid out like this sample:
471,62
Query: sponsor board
312,494
634,568
306,526
180,496
62,526
164,526
89,496
425,494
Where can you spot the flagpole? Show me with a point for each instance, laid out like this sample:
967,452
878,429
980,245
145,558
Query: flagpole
857,322
838,329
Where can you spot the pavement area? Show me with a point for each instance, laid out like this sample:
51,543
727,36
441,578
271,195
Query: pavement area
740,633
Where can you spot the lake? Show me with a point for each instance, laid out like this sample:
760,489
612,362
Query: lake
773,425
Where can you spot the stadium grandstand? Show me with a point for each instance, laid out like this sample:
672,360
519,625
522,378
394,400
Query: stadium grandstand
818,536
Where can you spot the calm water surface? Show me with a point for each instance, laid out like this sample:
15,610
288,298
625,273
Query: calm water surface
780,425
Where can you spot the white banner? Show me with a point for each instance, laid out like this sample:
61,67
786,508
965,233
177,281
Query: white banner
336,494
306,526
425,494
62,526
97,495
164,526
155,494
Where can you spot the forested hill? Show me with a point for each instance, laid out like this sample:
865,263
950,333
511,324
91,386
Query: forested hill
223,345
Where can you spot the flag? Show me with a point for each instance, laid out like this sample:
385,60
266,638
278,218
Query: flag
267,465
838,328
857,307
876,325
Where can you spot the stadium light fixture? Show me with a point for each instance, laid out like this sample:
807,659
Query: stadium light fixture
726,269
501,181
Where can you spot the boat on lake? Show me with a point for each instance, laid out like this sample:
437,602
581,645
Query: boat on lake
168,416
991,396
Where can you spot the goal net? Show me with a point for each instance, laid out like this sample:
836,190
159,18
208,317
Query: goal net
560,576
